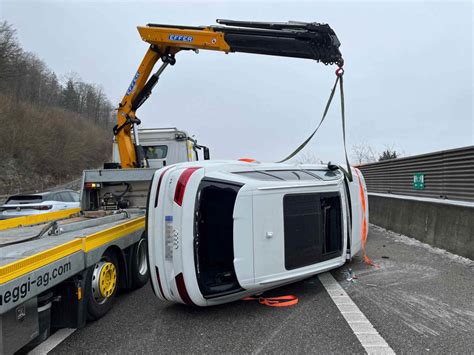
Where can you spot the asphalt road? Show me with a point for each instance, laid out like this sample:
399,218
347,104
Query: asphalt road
419,299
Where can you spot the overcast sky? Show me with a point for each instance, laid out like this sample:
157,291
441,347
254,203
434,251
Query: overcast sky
408,82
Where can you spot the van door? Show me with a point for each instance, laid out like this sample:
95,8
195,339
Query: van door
295,230
268,236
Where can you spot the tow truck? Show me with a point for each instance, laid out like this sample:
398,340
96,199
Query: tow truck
64,268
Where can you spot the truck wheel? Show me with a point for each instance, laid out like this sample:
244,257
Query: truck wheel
102,279
140,272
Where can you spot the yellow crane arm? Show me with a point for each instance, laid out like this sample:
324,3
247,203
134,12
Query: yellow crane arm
291,39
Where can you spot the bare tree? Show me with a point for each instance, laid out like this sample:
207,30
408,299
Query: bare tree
9,50
59,130
363,153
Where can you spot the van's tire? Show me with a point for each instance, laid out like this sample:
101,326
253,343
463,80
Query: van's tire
101,286
140,272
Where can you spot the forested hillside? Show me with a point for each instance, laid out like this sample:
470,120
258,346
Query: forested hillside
50,128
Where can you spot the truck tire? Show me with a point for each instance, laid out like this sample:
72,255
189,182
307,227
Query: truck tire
101,286
139,270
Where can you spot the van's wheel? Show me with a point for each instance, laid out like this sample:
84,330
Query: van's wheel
102,284
139,269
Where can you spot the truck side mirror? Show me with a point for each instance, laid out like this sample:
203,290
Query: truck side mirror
207,156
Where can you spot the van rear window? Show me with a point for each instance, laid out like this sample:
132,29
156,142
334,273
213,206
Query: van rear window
312,228
214,237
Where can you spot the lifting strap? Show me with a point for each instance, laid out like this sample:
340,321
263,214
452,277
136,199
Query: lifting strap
339,80
280,301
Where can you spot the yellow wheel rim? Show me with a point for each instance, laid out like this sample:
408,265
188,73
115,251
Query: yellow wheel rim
107,279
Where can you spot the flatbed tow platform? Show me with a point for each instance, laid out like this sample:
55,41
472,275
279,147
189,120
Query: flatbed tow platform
55,268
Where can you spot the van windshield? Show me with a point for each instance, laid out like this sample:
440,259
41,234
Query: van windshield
214,237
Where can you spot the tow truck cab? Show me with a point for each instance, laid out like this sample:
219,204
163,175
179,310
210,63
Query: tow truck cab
113,188
166,146
218,231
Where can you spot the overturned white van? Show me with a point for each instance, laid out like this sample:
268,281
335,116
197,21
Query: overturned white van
222,230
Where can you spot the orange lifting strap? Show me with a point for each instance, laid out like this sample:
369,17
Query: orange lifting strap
280,301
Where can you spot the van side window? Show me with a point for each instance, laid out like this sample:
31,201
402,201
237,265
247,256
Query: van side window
155,151
312,228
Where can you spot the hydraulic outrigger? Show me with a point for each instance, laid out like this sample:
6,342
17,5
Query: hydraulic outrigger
292,39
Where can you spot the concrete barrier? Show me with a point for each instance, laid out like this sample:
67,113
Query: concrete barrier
442,224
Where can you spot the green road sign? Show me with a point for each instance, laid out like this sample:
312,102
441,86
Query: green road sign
418,181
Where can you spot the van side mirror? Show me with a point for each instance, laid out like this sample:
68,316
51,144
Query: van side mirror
207,156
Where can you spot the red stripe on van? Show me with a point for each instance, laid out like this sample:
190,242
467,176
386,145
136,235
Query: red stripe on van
183,293
181,185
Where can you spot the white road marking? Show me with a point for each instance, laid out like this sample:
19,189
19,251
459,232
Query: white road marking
368,336
53,341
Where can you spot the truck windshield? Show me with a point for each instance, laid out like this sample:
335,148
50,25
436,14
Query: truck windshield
155,151
214,238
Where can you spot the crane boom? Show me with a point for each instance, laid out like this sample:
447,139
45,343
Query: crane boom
289,39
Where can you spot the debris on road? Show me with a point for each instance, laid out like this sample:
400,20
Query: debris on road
350,276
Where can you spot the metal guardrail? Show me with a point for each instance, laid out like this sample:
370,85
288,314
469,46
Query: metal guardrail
447,174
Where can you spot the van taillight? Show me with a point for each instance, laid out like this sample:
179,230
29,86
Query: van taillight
181,286
181,185
159,185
